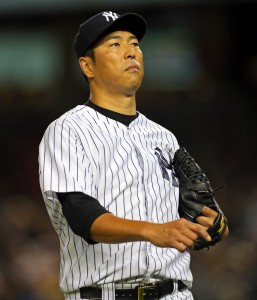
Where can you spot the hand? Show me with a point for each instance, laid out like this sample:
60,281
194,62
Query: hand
178,234
207,219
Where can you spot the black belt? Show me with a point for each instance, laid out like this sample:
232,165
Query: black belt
154,290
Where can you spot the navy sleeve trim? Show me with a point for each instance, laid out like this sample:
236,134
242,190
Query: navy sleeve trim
80,211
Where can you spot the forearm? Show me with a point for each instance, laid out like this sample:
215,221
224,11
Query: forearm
177,234
81,211
110,229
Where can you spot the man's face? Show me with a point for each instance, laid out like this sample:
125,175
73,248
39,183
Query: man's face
118,63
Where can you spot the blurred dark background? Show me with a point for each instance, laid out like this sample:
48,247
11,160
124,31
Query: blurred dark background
200,82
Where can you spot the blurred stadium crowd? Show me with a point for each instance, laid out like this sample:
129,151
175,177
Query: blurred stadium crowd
214,117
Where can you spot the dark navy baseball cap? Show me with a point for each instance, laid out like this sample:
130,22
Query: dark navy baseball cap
97,26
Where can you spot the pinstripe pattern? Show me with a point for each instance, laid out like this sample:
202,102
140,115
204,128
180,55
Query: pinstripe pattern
85,151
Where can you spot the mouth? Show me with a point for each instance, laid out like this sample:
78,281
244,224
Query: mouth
132,68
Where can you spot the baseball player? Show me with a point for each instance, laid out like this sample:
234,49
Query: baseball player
106,181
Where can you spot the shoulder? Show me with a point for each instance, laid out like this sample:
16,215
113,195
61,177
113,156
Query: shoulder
145,121
73,114
158,129
70,118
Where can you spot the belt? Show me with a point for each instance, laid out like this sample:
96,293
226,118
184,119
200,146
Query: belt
155,290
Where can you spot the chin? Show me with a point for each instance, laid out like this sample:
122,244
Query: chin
133,89
135,84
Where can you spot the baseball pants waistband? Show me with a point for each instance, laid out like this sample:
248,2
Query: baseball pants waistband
151,291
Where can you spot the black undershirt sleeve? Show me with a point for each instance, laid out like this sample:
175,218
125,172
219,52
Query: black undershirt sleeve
80,211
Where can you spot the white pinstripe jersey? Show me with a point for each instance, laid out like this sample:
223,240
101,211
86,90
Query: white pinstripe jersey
124,168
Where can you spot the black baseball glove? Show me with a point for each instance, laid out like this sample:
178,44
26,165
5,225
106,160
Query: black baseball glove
195,192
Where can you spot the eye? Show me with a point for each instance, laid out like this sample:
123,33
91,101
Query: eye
135,44
114,45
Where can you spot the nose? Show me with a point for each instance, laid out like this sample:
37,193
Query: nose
129,52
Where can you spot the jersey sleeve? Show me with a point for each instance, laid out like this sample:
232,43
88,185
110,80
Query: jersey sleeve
63,164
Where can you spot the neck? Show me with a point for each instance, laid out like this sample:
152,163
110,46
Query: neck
123,104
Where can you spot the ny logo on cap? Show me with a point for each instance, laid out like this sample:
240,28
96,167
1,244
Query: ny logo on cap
110,14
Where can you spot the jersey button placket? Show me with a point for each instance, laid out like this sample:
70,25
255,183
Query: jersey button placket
141,160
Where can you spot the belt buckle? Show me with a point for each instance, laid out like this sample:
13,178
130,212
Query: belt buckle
141,289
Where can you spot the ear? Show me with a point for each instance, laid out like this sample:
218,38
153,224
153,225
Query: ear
86,65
